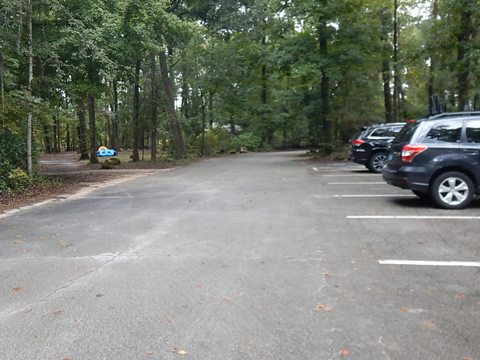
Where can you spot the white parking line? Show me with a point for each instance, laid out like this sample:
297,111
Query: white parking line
430,263
350,168
350,175
401,217
371,195
358,183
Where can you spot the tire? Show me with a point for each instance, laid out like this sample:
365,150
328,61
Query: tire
377,162
452,190
421,195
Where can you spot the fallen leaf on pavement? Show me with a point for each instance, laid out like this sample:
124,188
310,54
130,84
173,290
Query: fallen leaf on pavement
323,307
404,309
179,351
429,324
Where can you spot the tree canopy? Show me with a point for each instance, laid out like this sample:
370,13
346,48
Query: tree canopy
194,76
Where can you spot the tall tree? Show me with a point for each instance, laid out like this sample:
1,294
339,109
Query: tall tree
178,140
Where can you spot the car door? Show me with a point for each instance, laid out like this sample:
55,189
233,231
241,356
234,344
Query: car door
472,146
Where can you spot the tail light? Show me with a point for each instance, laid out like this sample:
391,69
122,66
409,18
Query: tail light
358,142
409,152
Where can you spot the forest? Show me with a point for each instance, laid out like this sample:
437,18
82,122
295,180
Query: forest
174,78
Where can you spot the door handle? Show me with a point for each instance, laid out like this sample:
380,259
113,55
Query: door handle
470,151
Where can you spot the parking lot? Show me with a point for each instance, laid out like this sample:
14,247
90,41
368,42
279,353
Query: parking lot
261,256
415,266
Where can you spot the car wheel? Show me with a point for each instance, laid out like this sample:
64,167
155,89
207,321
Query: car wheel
377,162
420,194
452,190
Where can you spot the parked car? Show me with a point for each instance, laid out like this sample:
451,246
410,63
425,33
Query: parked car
438,157
369,146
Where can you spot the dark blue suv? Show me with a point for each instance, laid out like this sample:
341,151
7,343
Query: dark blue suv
438,157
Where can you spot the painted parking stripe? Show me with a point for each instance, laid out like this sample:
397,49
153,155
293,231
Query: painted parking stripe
430,263
401,217
372,195
350,175
359,183
350,168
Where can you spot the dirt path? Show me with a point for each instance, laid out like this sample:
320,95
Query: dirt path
75,176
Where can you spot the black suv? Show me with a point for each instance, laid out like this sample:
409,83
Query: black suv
369,146
438,157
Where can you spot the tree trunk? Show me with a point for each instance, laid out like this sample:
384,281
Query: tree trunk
432,68
115,141
93,130
136,113
386,71
185,92
29,88
154,105
210,109
396,70
180,150
82,129
55,132
69,141
204,121
2,82
464,39
47,141
20,25
325,82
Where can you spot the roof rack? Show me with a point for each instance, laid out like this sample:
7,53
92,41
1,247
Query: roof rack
455,114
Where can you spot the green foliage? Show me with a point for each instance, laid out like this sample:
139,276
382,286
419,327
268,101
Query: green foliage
247,140
18,180
210,141
257,65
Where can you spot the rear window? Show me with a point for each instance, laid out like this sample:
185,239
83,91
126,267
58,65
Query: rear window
473,131
386,131
358,135
407,132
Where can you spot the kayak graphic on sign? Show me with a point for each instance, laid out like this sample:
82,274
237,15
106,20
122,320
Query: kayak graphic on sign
104,151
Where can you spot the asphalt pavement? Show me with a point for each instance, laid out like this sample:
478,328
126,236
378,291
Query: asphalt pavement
254,256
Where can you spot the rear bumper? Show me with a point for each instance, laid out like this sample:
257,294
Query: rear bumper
407,177
358,155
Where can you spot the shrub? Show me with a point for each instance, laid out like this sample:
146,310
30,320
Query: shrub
246,140
18,180
110,163
210,145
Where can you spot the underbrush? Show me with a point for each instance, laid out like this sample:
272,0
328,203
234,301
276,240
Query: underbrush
17,182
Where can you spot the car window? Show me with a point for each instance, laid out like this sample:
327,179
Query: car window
406,132
473,131
386,132
447,132
395,130
381,132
